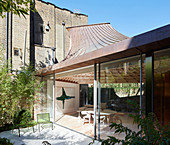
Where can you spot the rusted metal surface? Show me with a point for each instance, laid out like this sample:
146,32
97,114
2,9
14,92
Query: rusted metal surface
88,38
149,41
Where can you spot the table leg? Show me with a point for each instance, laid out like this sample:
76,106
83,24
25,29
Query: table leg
79,115
89,118
108,118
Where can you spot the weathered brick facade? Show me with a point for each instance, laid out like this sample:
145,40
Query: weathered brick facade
49,32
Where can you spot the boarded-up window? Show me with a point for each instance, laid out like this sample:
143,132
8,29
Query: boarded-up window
39,29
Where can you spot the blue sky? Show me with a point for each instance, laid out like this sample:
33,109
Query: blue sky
130,17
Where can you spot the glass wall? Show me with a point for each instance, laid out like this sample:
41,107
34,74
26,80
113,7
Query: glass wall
44,102
162,85
73,108
120,82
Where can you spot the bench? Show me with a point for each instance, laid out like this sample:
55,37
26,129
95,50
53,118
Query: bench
43,118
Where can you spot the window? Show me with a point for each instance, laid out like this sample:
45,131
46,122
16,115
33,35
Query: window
17,51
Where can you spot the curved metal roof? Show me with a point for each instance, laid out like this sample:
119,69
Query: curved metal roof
88,38
153,40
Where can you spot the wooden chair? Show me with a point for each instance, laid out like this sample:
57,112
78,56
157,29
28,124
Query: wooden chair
43,118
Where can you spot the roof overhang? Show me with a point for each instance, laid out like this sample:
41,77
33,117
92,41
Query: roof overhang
150,41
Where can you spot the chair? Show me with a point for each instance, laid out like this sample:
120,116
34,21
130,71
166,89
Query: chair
86,117
43,118
22,119
102,118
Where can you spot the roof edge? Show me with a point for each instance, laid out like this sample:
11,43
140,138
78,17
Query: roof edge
87,25
62,8
153,40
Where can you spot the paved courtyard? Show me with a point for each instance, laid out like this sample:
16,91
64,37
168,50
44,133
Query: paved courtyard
58,136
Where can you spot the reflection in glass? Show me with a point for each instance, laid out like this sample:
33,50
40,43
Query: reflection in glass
120,82
162,85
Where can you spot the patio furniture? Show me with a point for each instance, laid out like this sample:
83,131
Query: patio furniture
20,126
43,118
86,117
89,106
45,143
22,119
102,118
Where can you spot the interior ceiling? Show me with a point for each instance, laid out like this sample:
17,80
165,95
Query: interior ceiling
115,75
127,73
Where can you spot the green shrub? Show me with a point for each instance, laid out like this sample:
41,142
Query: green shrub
150,131
22,118
5,141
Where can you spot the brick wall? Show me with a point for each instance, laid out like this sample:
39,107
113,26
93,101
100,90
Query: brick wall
47,15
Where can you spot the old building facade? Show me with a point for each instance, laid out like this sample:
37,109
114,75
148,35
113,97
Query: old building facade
41,38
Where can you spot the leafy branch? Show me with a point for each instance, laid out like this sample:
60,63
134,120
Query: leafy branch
18,7
149,130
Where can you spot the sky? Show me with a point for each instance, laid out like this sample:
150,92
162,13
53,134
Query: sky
129,17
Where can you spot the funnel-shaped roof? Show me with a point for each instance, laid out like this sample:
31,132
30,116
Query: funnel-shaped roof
88,38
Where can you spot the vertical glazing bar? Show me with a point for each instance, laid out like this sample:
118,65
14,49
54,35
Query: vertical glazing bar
95,98
42,95
140,84
99,102
54,97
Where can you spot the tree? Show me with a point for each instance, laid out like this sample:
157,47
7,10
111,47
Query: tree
18,7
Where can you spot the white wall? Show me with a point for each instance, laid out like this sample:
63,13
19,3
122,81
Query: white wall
70,105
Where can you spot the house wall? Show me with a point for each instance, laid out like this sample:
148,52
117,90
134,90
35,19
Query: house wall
70,105
19,27
47,15
52,16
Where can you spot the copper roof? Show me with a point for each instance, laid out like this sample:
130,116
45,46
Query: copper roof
87,38
150,41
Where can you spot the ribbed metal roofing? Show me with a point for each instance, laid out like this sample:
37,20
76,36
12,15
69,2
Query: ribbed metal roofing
88,38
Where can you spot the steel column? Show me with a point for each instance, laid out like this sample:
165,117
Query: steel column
95,99
141,84
53,97
99,101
